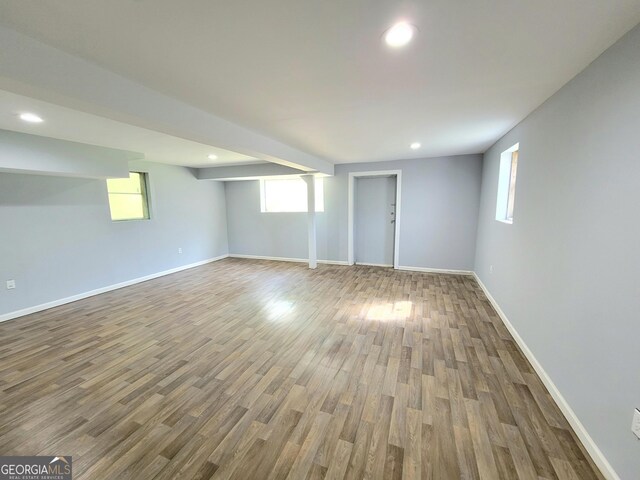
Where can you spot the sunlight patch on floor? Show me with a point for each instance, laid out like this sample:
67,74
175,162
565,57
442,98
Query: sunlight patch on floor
278,310
390,311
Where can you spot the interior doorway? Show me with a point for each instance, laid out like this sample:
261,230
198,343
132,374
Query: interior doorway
374,216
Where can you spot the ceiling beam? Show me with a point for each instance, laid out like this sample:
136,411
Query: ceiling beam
40,71
24,153
247,172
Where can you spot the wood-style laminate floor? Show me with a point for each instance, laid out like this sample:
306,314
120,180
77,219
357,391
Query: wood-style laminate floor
267,370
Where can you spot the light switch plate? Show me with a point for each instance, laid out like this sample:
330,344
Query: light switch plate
11,284
635,425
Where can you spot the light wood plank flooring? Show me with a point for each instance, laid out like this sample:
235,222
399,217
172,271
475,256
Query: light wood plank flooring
266,370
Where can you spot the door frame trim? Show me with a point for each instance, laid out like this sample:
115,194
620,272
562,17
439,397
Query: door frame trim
351,215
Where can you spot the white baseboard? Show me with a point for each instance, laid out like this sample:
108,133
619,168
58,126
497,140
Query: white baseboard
435,270
384,265
55,303
342,262
286,259
332,262
592,449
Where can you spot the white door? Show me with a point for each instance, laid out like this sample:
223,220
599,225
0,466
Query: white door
374,226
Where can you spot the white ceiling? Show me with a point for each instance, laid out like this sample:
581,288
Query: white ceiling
67,124
317,76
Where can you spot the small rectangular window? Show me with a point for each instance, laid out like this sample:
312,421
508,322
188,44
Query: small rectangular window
128,197
288,195
507,184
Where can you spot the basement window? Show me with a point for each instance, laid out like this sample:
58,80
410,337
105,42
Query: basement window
507,184
288,195
128,197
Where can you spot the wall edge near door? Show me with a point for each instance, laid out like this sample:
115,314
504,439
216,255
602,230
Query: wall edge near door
581,432
55,303
434,270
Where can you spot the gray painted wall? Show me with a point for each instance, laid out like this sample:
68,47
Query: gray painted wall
374,234
440,199
57,238
252,232
566,272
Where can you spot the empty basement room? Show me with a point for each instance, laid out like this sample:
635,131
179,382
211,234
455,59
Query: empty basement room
319,240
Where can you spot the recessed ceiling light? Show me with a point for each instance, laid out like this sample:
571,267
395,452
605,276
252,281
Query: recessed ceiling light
399,35
212,157
415,145
31,118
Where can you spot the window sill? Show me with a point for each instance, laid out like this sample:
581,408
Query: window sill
130,220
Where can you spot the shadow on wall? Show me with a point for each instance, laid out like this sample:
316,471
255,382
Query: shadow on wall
41,190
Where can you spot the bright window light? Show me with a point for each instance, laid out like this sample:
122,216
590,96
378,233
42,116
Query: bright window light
288,195
128,197
507,184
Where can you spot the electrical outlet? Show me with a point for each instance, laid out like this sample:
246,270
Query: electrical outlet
180,250
490,268
635,425
11,284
